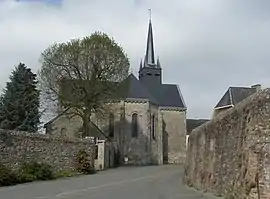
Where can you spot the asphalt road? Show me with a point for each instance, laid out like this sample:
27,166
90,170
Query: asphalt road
152,182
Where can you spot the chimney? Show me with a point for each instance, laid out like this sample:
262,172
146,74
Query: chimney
258,87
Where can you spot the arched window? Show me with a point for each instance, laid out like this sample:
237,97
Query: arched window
153,127
134,125
111,125
63,132
122,116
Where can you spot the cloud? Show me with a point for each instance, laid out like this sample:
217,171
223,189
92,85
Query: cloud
204,46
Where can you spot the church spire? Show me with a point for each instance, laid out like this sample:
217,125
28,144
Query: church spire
150,73
150,56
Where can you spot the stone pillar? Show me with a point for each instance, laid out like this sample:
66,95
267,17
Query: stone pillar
100,161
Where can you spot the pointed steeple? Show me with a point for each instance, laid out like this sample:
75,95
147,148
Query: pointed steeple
150,73
150,56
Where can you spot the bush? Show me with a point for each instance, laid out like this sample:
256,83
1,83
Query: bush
84,163
7,176
32,171
65,173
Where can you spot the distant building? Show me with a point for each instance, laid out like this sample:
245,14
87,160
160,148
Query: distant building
233,96
192,124
148,125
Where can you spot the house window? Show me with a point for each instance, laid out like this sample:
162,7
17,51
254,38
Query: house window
111,125
153,127
134,124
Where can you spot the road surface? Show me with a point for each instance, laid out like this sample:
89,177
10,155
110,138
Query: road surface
152,182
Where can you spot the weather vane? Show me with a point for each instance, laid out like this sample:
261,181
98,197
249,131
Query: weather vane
150,13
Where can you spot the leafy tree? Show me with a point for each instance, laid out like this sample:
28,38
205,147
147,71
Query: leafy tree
82,74
19,103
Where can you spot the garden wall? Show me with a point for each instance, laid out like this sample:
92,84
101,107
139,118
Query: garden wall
18,147
230,155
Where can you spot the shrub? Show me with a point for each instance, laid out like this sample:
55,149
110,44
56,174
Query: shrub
65,173
31,171
7,176
84,163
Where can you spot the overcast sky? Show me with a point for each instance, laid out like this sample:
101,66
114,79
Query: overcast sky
204,46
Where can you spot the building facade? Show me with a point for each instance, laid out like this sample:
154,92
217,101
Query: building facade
148,121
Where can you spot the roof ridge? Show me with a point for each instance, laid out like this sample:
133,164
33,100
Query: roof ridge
241,87
171,84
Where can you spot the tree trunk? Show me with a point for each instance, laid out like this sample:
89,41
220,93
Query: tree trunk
86,125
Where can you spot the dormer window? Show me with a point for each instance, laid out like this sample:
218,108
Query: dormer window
157,74
149,74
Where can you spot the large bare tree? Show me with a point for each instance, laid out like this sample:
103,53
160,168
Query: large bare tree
82,74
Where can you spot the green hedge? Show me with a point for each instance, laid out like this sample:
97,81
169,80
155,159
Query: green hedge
28,172
33,171
7,176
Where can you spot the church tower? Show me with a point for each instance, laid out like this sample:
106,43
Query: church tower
150,73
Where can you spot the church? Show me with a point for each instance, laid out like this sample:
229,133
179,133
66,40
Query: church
148,125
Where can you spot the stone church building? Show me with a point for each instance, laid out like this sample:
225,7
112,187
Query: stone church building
148,124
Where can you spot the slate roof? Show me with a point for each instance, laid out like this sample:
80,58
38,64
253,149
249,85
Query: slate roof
235,95
132,88
168,95
194,123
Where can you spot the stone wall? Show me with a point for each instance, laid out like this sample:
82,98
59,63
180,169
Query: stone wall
230,155
167,146
140,150
175,128
220,111
18,147
136,149
143,149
